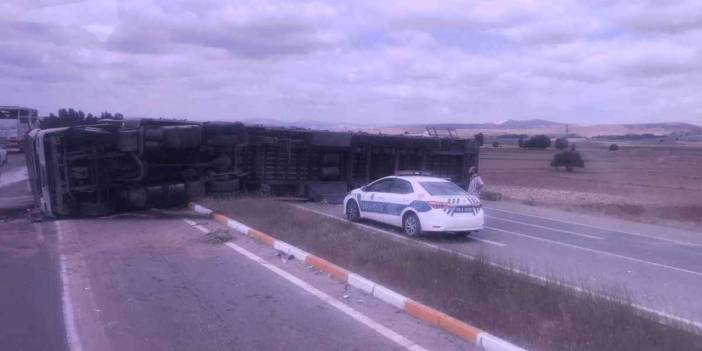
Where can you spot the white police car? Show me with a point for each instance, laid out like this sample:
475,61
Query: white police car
417,204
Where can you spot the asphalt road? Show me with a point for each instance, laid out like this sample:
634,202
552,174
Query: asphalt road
150,281
30,304
658,268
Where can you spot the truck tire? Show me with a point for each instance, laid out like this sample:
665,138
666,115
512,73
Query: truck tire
222,186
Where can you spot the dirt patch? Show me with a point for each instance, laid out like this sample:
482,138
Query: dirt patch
642,183
528,312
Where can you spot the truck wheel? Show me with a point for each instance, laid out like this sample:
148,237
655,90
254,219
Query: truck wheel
411,224
222,186
352,212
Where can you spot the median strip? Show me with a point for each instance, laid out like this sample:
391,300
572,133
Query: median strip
534,312
416,309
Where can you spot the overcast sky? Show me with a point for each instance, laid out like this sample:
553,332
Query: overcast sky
368,61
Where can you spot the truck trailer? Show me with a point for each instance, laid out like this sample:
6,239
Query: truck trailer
114,166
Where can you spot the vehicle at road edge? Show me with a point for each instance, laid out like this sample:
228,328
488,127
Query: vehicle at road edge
417,204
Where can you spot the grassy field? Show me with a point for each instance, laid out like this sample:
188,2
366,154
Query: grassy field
525,311
647,183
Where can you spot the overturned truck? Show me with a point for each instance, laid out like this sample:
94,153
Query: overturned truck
117,166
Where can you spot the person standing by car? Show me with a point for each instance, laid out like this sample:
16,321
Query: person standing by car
475,183
3,156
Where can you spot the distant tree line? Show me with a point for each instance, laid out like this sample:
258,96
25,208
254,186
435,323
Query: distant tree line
535,142
70,117
512,136
644,136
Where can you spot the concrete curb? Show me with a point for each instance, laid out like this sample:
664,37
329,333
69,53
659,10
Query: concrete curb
438,319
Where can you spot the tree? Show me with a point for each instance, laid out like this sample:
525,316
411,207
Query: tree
71,117
535,142
480,139
613,147
568,159
495,144
561,143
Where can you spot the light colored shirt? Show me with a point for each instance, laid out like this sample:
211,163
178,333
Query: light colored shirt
475,185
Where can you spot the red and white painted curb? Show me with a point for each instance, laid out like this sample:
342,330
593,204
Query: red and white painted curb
436,318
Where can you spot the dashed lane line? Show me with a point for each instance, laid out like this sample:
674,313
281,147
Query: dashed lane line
679,242
547,228
638,260
488,241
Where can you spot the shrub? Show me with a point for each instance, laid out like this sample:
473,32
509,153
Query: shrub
535,142
561,143
613,147
568,159
490,195
495,144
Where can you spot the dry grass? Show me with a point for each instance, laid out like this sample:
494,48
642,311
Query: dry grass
528,312
641,183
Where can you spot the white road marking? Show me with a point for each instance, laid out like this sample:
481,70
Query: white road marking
382,330
69,319
363,319
683,270
548,228
197,226
680,242
488,241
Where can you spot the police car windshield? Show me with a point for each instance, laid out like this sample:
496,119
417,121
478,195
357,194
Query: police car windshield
442,188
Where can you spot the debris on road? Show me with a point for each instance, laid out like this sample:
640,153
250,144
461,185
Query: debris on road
219,236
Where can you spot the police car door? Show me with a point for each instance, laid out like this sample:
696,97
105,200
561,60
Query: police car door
373,203
400,196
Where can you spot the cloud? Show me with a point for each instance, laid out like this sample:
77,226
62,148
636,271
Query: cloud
255,29
658,16
367,61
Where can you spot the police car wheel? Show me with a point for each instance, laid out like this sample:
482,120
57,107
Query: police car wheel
411,225
352,212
